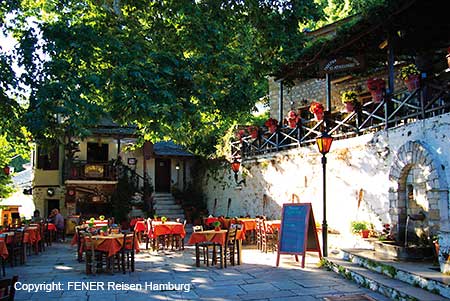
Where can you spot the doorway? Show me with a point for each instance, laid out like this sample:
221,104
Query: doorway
50,205
162,175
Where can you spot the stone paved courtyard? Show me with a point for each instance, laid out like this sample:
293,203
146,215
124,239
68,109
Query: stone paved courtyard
256,279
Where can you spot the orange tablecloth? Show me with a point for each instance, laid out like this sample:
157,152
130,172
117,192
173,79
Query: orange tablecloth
158,228
213,236
274,224
3,249
111,243
32,235
249,223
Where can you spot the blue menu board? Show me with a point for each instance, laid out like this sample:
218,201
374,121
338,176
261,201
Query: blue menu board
298,232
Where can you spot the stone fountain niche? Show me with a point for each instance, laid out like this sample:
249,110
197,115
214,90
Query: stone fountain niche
418,200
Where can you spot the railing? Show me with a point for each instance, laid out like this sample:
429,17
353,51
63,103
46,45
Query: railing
397,110
82,170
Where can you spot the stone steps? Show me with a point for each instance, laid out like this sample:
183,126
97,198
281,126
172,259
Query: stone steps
392,288
401,280
164,205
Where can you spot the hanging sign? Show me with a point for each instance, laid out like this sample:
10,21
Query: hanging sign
342,64
298,233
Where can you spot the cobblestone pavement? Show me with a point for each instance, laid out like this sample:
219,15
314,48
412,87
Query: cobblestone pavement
256,279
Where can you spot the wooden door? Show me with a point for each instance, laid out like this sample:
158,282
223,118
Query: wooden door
162,175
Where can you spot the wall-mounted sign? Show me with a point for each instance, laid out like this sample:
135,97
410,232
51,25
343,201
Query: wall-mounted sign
93,171
131,161
341,64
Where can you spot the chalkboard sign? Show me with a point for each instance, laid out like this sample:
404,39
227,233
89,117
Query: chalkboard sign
298,232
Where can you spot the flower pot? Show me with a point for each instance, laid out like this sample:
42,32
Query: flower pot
217,229
272,128
365,233
254,133
318,115
377,95
292,123
349,106
413,82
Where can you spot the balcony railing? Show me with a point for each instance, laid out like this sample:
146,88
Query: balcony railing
82,170
400,109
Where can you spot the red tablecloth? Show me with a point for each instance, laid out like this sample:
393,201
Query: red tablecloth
249,223
135,220
158,228
51,227
111,244
140,226
209,220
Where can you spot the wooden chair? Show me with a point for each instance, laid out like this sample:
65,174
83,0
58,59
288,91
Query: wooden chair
204,246
269,238
78,231
95,260
7,290
258,233
127,251
17,248
177,240
5,237
229,248
48,235
41,243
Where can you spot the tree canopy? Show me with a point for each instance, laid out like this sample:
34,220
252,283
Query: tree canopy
177,69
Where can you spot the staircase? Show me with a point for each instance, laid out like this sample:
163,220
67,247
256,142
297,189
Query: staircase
404,281
164,205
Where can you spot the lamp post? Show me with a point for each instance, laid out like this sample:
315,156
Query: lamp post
324,144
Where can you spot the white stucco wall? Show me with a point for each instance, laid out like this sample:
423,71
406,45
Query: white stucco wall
358,169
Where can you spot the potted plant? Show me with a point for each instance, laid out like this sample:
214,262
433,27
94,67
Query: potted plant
411,75
349,98
271,124
293,119
317,109
163,219
253,130
360,227
376,88
216,225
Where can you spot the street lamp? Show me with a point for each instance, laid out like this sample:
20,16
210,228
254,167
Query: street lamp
324,144
235,166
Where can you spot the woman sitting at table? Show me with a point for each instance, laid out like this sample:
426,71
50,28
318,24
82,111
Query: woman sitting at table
36,217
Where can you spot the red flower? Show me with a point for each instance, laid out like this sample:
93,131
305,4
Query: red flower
316,107
270,122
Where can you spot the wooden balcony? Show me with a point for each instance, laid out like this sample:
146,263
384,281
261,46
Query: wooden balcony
393,111
98,171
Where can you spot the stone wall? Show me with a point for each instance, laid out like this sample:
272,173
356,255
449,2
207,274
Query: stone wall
365,179
303,93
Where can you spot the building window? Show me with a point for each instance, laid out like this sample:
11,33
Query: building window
48,159
97,152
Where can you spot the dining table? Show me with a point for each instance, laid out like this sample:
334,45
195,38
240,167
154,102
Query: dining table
273,224
217,237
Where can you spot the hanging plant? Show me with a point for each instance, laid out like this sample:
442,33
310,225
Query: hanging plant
411,75
271,124
293,119
317,109
376,88
253,130
349,98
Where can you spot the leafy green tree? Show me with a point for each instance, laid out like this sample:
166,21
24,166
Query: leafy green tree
178,69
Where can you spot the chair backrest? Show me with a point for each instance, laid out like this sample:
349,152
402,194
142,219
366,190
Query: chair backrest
7,290
237,226
197,228
18,238
231,235
128,240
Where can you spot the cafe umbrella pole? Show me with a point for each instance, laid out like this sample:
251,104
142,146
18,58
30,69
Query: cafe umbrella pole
324,144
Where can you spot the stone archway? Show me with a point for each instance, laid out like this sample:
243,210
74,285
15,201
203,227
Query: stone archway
415,155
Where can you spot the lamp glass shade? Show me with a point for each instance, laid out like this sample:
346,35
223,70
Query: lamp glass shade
177,167
324,143
235,165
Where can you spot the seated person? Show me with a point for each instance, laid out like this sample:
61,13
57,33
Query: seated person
36,217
